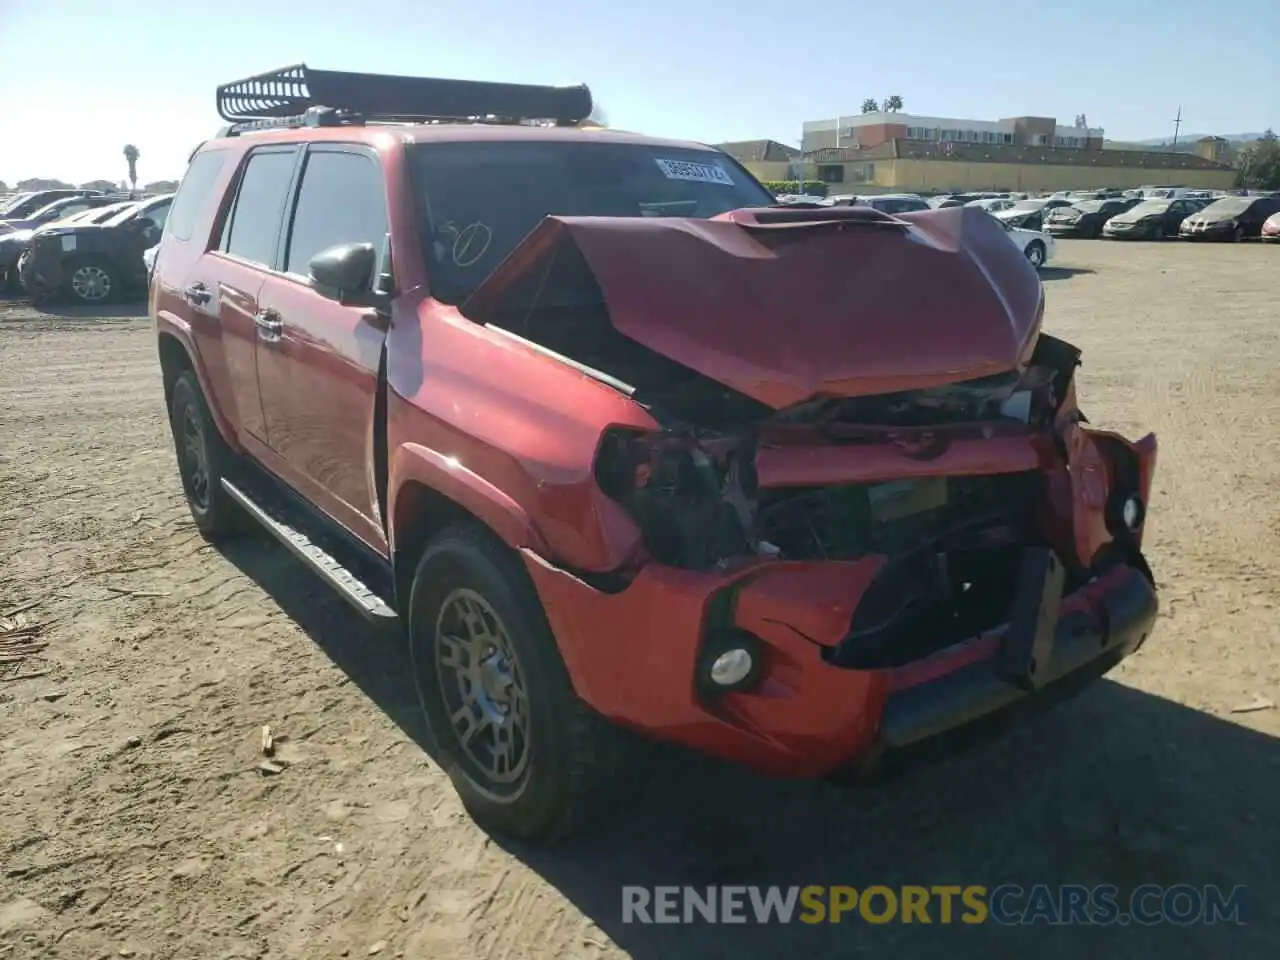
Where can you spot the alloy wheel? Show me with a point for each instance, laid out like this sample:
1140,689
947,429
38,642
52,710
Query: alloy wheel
195,460
482,688
91,283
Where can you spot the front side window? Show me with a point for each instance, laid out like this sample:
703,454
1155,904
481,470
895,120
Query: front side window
478,200
253,226
341,201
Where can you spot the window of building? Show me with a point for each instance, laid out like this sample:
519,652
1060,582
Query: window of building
341,201
831,172
253,227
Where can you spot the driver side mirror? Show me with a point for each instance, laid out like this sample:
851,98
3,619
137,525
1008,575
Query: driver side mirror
345,273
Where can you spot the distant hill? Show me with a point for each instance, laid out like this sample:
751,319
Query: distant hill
1193,137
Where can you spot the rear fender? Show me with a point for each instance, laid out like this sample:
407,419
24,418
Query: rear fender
168,324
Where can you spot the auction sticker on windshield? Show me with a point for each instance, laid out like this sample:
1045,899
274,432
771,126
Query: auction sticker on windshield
697,172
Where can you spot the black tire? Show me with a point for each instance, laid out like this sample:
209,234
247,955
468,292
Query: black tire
203,460
1237,235
567,753
12,284
98,275
1036,254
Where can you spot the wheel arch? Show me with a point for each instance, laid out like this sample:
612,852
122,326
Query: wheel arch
429,492
178,355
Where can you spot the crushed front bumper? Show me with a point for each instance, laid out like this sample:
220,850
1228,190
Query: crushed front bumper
933,718
633,656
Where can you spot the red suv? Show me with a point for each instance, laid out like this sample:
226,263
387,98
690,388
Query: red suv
624,444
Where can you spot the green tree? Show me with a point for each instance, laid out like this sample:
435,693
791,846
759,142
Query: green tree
893,104
131,155
1259,164
870,106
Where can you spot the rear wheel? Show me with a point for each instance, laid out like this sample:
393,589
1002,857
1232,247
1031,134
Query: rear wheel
92,281
1036,254
1237,235
527,757
203,459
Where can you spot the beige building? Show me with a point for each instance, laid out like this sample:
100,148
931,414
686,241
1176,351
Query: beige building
931,166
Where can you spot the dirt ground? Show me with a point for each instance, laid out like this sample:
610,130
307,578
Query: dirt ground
142,665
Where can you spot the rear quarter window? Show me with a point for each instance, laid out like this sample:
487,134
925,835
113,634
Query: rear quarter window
194,193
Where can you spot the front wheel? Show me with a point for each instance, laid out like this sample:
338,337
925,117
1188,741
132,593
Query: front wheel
1237,235
1036,254
523,752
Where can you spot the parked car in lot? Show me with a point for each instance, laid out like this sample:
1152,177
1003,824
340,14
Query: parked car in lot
1149,220
57,210
992,204
889,202
468,381
1036,246
1231,218
1271,227
1029,214
94,262
23,205
1085,218
13,245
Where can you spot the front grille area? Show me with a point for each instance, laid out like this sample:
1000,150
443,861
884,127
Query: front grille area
952,567
839,522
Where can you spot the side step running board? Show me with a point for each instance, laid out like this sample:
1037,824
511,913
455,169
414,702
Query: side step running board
349,587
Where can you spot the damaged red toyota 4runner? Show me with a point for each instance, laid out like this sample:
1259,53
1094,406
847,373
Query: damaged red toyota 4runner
624,445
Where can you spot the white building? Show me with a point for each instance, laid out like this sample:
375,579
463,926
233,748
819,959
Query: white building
872,129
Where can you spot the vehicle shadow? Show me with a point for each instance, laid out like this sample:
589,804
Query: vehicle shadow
1114,787
1062,273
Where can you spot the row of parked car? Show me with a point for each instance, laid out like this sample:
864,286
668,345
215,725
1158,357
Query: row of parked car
83,245
1151,214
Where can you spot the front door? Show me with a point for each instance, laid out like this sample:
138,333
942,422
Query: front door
318,361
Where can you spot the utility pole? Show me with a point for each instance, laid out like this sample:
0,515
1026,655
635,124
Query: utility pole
1177,125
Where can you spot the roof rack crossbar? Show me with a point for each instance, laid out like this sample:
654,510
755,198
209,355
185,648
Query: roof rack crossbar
297,96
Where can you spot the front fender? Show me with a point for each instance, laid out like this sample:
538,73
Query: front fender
171,325
413,463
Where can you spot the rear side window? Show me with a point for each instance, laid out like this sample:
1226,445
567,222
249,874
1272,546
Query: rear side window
341,201
253,226
194,193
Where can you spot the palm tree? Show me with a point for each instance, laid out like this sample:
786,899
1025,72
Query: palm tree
131,155
893,104
870,106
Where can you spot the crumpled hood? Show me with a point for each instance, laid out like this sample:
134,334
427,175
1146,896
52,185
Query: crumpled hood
787,305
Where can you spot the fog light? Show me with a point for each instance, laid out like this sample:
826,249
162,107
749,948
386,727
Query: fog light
732,667
730,659
1131,513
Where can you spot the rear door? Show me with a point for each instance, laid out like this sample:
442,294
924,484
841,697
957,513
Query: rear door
318,370
229,277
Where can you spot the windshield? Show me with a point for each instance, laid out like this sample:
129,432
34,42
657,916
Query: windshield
1229,206
122,215
478,200
51,211
1150,207
14,203
1088,206
1029,205
109,213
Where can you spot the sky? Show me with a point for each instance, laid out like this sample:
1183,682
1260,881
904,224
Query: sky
81,78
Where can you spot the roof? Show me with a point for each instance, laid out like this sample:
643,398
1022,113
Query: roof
452,132
748,151
1014,153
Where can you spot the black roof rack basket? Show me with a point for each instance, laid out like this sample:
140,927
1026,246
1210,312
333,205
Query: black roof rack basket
291,92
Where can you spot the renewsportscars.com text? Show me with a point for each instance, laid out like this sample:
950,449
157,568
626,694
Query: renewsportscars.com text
1007,904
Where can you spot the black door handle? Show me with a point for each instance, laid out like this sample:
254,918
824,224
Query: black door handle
197,294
